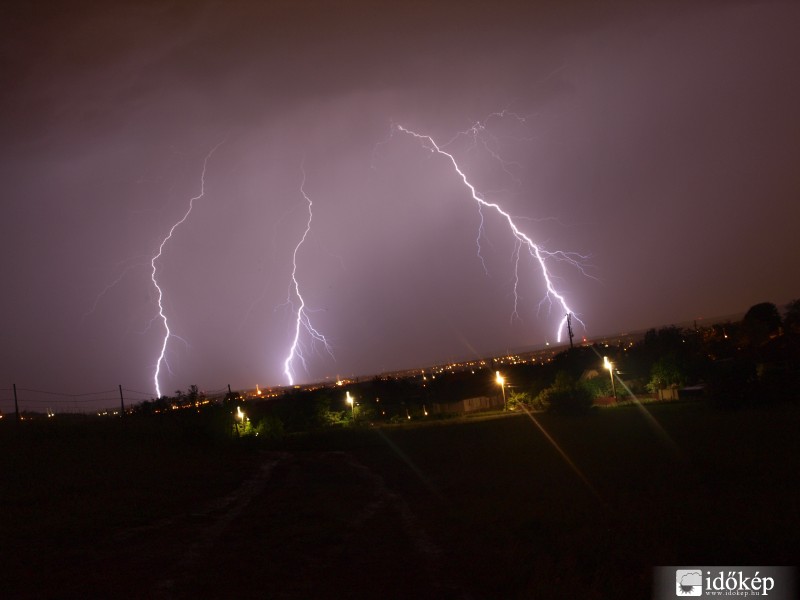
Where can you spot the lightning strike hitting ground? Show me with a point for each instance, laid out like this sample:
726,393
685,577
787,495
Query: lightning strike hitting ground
157,255
302,319
522,240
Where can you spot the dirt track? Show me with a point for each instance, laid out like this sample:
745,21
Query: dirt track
327,526
306,525
476,510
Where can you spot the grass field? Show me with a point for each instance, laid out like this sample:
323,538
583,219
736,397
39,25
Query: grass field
72,491
473,509
681,484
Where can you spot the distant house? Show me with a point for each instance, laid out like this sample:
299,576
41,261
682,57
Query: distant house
468,405
685,393
670,393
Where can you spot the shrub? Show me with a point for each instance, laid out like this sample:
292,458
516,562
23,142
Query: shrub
575,400
565,396
269,428
743,382
599,387
518,400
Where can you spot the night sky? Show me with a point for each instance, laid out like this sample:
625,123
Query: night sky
660,140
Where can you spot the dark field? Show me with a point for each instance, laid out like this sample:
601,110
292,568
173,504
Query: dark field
475,509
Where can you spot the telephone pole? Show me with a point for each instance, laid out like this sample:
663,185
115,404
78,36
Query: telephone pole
569,329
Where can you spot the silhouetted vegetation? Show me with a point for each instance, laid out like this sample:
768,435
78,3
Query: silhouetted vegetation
566,396
751,362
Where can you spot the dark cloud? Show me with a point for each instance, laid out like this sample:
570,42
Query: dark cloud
658,138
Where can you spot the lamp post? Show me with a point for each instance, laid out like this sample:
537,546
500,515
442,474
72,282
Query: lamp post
610,366
241,416
352,404
501,382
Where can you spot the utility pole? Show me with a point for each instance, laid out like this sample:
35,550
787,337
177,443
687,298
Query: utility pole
121,403
16,405
569,329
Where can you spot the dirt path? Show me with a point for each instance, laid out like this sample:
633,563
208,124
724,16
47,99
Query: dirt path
324,526
304,525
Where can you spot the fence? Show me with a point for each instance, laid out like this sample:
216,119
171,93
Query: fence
468,405
22,403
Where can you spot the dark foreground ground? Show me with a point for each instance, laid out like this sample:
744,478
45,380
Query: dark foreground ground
497,508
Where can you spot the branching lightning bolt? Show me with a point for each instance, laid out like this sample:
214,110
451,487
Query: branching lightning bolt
154,270
536,251
302,319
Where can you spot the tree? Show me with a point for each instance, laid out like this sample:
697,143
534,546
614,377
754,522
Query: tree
640,359
193,394
760,322
599,386
791,319
518,400
566,396
667,371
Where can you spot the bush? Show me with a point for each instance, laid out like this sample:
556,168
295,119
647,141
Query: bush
575,400
565,396
666,372
599,387
269,428
750,384
518,401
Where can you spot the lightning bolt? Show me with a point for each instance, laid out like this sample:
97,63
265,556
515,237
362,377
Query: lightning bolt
302,319
536,251
154,270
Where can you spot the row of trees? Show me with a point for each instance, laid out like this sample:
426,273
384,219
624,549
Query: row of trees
752,361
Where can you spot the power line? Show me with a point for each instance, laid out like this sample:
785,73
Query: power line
137,392
64,400
64,394
78,401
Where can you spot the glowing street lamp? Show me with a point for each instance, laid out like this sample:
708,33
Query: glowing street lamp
241,416
352,404
502,383
610,366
